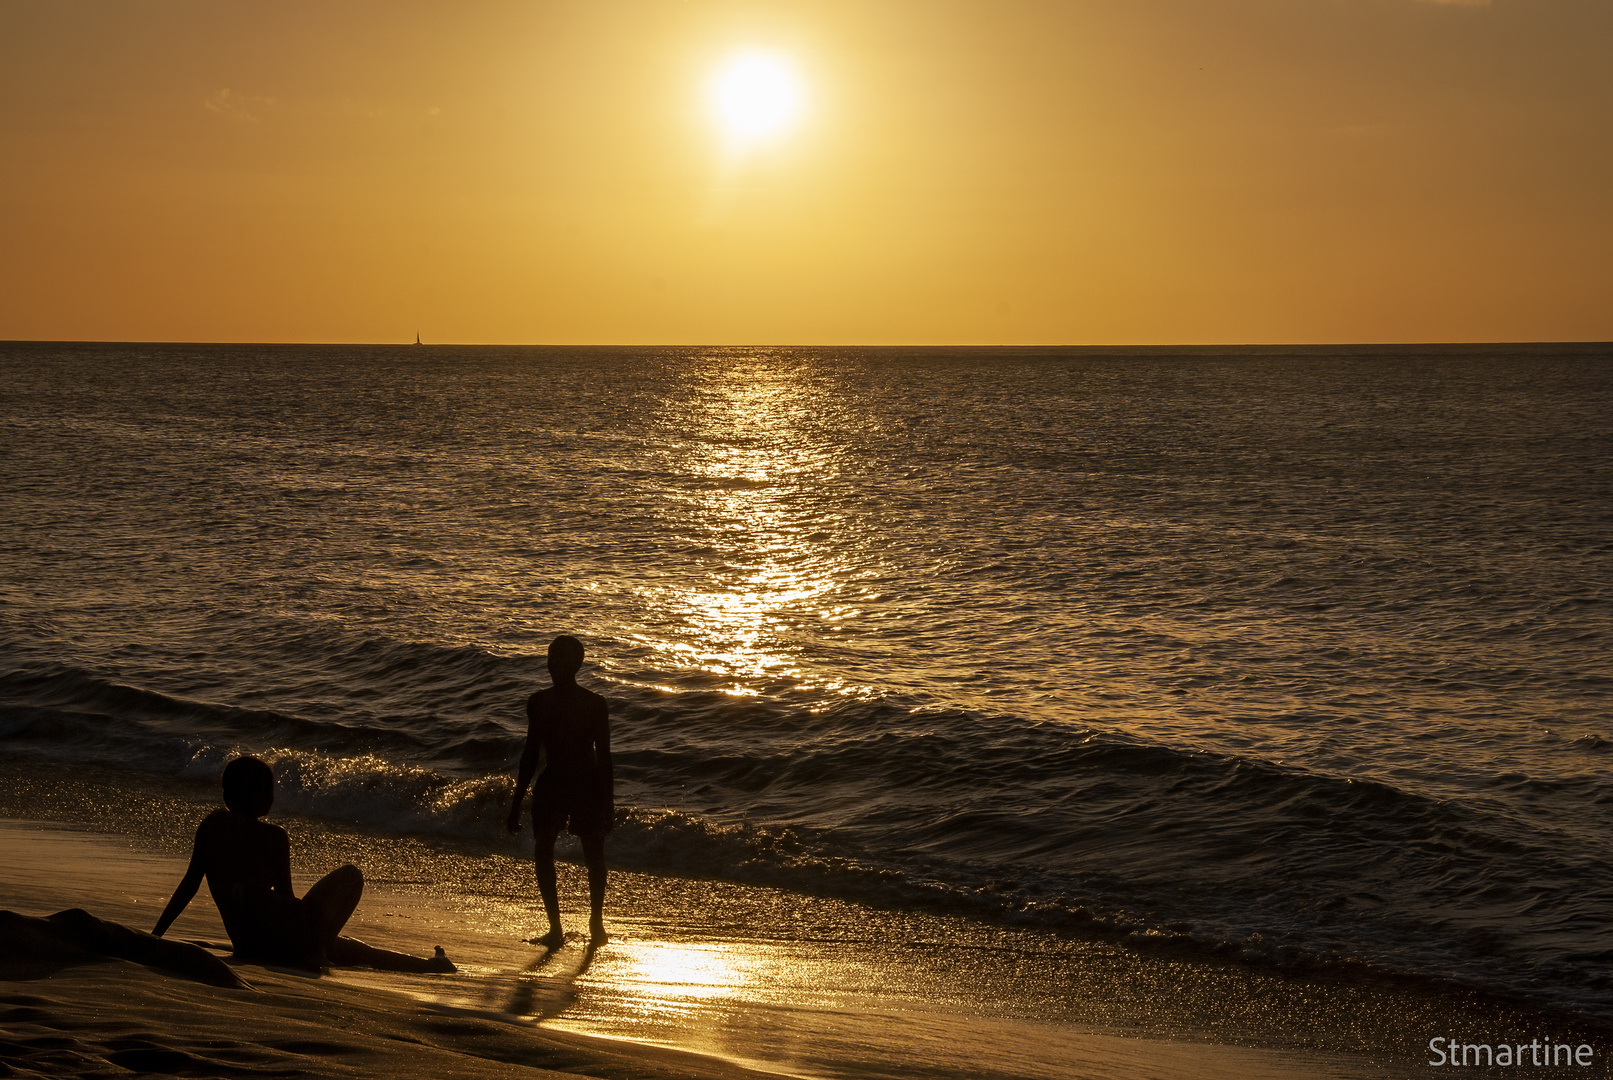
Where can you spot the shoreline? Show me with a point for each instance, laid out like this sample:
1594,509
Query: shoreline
748,976
492,1014
476,1024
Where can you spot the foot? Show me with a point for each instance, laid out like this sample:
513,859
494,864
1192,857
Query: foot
440,963
552,940
596,931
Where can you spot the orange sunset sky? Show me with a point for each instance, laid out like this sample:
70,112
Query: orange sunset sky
1013,171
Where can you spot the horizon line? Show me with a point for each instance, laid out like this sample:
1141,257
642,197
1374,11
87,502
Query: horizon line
827,345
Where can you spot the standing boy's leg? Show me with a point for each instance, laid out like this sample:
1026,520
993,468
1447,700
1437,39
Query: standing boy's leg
546,833
593,854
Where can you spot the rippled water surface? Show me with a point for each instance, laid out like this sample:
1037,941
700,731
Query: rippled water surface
1299,655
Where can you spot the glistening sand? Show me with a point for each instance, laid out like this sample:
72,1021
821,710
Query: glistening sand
807,986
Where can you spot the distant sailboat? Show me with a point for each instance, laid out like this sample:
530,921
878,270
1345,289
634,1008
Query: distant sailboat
417,337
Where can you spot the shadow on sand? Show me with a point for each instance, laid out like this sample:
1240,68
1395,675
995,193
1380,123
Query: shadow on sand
547,986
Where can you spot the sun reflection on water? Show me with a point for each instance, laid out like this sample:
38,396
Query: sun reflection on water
751,458
666,973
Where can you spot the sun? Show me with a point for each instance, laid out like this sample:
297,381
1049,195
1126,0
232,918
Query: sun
755,96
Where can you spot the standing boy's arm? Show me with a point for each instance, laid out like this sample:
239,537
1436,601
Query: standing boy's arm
529,765
187,884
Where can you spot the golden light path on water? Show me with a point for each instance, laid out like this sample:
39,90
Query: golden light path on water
748,455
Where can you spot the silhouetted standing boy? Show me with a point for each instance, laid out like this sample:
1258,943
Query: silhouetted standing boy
571,726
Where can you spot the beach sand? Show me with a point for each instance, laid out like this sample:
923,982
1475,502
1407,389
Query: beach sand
700,979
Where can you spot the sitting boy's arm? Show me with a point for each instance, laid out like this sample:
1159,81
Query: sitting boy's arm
188,884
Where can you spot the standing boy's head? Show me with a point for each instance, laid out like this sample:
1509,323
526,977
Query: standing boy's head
565,655
248,786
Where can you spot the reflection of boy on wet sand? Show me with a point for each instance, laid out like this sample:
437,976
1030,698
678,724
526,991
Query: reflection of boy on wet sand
576,789
247,863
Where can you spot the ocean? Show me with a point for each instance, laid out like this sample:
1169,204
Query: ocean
1292,657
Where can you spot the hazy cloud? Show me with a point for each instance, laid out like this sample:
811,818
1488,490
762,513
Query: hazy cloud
356,110
238,107
1463,3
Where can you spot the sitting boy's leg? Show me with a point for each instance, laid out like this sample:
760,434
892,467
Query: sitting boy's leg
351,952
330,903
327,907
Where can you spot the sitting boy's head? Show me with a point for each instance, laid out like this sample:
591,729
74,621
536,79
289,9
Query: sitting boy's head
248,786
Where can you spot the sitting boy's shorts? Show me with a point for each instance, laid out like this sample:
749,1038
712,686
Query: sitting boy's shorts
283,934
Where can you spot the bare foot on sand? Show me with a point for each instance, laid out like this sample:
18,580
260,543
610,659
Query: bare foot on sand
596,931
552,940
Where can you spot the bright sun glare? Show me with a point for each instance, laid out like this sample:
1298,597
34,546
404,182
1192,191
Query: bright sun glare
755,95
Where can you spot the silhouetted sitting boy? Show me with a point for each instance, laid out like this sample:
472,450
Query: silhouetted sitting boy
247,864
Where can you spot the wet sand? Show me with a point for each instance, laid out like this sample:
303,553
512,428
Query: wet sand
699,979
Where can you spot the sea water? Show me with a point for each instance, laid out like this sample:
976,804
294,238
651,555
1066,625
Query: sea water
1292,656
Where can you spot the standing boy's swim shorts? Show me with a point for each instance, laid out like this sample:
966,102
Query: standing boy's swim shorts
581,809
